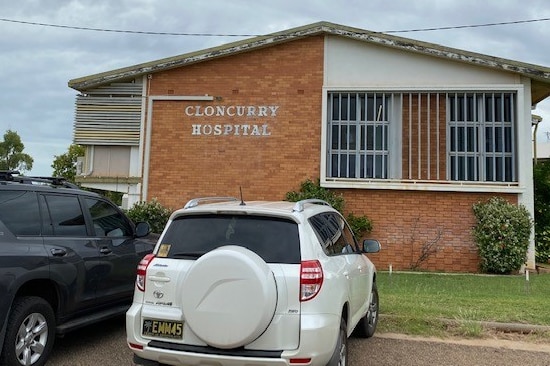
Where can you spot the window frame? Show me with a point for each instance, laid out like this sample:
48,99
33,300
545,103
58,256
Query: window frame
475,148
523,135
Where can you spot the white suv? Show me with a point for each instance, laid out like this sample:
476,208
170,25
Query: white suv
255,283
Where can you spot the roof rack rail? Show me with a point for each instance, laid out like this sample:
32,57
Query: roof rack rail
299,206
14,176
8,174
197,201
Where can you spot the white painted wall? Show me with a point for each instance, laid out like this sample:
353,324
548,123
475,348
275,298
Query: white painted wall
351,63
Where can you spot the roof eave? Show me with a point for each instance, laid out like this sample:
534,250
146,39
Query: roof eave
535,72
84,83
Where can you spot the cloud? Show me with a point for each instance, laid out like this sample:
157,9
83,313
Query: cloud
38,61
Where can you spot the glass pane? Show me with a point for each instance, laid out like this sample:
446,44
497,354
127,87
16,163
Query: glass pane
369,166
343,137
471,169
344,107
67,217
353,107
380,137
489,139
352,137
370,137
379,166
343,166
276,240
362,105
335,107
335,136
508,108
508,139
489,116
362,137
19,212
508,169
107,220
351,167
489,169
334,166
472,139
370,108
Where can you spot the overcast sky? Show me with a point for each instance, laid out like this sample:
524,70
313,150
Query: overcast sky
37,61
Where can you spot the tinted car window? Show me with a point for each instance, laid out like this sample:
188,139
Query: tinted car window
66,215
333,233
275,240
319,224
107,220
19,212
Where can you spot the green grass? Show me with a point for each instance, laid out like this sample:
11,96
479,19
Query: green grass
453,304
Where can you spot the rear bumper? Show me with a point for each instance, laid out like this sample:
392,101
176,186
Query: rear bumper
318,336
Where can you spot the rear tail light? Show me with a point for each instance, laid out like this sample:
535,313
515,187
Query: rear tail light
311,279
142,271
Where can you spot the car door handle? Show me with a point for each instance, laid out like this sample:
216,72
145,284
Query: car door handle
105,250
56,252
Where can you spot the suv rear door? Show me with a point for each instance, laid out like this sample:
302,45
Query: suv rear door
338,240
73,253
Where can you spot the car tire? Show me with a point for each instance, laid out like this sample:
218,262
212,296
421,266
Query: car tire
367,325
340,354
30,333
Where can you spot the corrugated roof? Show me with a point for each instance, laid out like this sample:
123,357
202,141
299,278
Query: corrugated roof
539,75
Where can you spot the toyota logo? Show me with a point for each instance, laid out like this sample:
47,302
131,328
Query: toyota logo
158,294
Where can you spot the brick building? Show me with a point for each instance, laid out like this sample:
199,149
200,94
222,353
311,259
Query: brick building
412,134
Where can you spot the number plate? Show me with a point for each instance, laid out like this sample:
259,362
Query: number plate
162,328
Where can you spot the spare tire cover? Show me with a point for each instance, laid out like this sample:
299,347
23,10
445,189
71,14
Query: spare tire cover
229,297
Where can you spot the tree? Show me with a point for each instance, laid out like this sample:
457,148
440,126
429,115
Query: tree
64,165
11,153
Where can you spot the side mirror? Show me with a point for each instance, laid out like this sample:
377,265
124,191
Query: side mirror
142,229
371,246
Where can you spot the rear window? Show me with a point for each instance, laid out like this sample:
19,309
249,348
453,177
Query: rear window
275,240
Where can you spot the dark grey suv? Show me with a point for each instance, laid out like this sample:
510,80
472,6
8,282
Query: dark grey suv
67,259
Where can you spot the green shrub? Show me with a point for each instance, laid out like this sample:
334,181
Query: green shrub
152,212
502,235
541,180
360,225
309,189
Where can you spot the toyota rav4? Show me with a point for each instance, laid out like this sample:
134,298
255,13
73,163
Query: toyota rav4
255,283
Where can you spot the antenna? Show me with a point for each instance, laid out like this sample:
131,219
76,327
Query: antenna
242,201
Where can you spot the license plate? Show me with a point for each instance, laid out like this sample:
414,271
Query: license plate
162,328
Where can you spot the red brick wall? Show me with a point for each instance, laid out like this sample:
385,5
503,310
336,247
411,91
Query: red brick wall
404,221
422,163
183,166
290,75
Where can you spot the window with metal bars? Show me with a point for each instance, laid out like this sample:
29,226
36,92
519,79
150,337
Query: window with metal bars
465,136
481,137
358,135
